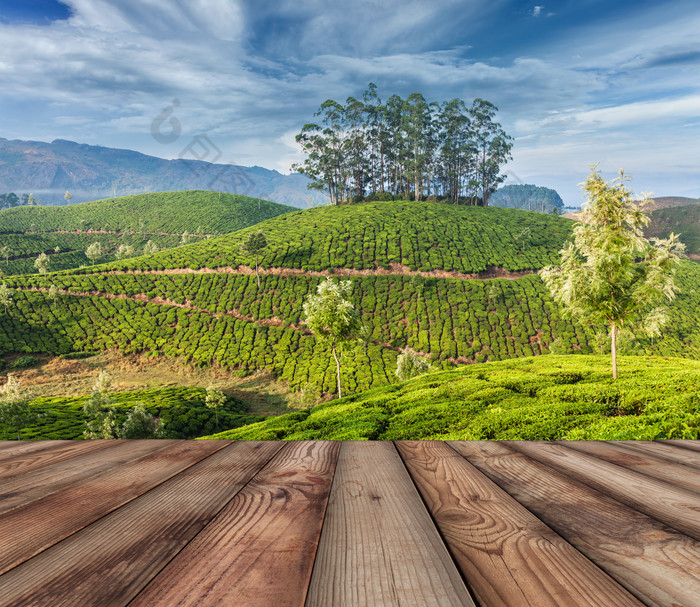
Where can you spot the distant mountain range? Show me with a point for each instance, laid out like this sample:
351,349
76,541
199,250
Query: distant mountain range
91,172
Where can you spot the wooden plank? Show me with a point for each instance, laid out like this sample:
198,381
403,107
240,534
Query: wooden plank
379,545
668,451
21,490
657,564
507,555
29,529
676,507
640,461
110,561
259,550
694,445
36,459
14,448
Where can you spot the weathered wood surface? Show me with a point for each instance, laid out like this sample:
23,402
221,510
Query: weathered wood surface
678,508
18,459
379,545
29,530
657,564
175,523
260,549
641,461
668,451
21,490
509,556
110,561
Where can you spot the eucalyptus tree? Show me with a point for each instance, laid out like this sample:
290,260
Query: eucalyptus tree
492,146
42,263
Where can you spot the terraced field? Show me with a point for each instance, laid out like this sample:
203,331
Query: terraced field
64,233
432,303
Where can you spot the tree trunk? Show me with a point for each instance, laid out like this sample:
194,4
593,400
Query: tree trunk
257,275
613,348
337,369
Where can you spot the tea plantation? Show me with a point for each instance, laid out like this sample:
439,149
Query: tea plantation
225,319
683,220
548,398
422,236
181,410
160,217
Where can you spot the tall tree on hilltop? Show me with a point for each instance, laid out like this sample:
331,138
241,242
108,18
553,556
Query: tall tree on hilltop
611,274
492,144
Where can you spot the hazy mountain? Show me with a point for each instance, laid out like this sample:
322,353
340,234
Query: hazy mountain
92,172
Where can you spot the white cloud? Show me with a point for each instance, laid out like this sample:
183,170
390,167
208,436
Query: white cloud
537,11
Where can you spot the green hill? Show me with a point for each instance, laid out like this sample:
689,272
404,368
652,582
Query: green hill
683,220
550,398
421,236
423,276
132,220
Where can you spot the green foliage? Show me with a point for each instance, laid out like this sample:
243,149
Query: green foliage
409,364
684,221
610,273
332,317
215,399
424,236
140,424
551,398
181,411
23,362
16,411
64,233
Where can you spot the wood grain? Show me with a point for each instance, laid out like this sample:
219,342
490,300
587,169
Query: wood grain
259,550
641,461
27,530
507,555
21,490
110,561
694,445
379,545
28,461
657,564
668,451
674,506
13,448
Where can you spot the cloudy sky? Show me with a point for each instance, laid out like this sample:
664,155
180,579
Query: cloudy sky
576,81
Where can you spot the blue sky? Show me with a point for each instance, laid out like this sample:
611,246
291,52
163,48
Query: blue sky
577,81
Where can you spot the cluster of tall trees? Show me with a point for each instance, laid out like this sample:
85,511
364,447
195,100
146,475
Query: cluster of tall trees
408,148
528,197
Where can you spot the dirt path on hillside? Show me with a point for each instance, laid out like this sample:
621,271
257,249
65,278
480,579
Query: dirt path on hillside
395,269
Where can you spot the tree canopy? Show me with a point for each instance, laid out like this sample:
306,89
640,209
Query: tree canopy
407,148
528,197
611,274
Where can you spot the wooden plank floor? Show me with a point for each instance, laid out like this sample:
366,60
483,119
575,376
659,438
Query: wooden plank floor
325,524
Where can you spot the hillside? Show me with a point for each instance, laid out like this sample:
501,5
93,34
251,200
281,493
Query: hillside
551,398
161,217
91,172
683,220
456,284
424,236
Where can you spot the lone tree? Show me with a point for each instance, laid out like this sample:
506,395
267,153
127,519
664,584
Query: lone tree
140,424
332,317
215,399
94,251
15,408
42,263
6,252
68,196
99,415
252,245
5,296
610,274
